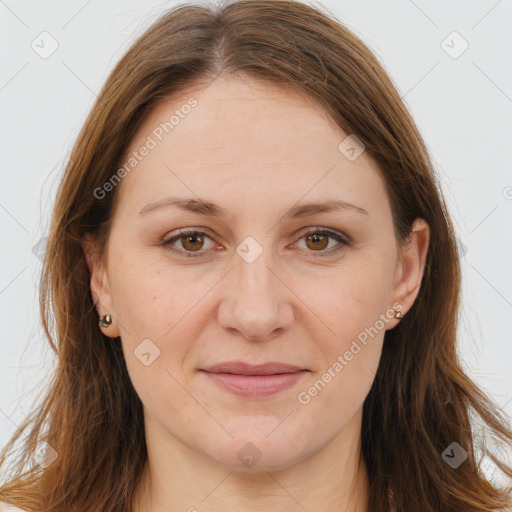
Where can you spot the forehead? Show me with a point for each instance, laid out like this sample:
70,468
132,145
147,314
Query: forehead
249,111
239,138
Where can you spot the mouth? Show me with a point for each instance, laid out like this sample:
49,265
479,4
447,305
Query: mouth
254,381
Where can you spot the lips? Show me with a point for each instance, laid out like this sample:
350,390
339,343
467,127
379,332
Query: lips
241,368
254,381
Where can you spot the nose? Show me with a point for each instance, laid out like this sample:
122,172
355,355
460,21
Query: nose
255,302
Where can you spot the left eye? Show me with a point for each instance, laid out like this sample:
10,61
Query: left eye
192,241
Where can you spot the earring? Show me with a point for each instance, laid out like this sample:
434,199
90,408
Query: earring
105,321
399,315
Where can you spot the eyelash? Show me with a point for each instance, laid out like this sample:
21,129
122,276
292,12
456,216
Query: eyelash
344,242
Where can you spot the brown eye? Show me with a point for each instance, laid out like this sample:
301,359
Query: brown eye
192,242
317,242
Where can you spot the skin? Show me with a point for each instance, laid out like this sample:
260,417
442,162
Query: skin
256,149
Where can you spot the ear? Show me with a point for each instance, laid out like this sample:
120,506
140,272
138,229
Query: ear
99,285
410,268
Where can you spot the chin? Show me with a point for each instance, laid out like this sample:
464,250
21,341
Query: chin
255,452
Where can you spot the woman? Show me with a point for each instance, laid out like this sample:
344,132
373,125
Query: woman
255,287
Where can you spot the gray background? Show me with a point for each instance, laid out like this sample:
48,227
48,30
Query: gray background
462,106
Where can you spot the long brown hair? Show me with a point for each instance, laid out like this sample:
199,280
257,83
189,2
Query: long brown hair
421,400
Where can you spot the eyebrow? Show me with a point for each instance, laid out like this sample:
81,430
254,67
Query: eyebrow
208,208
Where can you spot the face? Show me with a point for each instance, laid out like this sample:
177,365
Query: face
242,168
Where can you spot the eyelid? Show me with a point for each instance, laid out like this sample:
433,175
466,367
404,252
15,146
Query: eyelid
342,239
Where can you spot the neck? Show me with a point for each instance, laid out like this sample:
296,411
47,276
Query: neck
177,478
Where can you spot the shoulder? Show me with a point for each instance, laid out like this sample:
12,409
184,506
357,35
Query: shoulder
7,507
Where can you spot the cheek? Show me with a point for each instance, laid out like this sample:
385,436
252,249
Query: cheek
150,298
343,377
158,316
349,300
354,305
162,314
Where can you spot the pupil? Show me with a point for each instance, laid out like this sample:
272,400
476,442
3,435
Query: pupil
318,240
193,239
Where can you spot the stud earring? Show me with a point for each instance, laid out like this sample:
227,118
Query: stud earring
399,315
105,321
